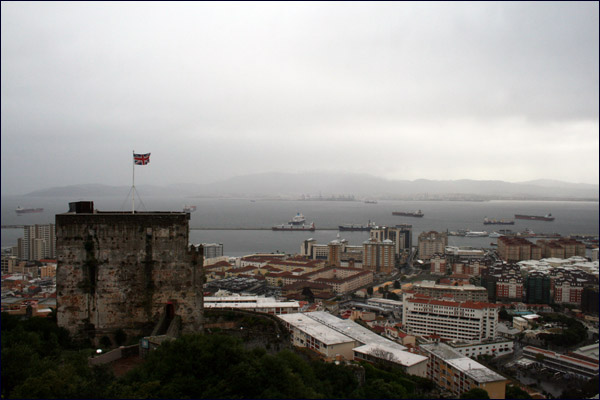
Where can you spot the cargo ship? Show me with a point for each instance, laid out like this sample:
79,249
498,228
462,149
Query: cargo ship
547,217
487,221
417,213
20,210
189,209
352,227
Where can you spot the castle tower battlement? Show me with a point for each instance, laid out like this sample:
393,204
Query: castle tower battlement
122,270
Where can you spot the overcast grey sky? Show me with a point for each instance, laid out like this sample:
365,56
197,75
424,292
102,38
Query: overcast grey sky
401,90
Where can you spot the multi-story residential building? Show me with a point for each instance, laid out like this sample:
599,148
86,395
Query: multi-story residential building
431,243
314,251
561,248
438,265
503,282
449,319
379,256
568,290
400,235
8,264
458,293
492,347
509,288
348,255
470,267
537,288
212,250
39,241
334,256
458,374
513,249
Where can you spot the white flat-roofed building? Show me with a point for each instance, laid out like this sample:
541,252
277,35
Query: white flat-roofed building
450,319
495,347
386,304
318,327
411,363
350,328
458,373
267,305
464,252
306,332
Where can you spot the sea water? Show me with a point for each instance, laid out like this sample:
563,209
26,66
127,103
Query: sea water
243,225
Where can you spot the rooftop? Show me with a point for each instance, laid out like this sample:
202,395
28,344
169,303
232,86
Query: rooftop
466,365
315,329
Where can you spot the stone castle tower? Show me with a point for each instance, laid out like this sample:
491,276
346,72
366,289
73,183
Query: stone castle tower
123,270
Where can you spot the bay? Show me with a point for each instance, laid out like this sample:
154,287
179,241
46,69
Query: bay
243,225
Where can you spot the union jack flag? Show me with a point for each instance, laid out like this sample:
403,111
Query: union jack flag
141,159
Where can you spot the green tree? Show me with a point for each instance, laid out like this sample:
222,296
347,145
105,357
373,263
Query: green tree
370,290
515,392
396,284
475,393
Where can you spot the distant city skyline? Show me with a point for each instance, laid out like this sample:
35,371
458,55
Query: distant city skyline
403,91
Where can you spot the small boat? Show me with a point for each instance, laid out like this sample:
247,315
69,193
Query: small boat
20,210
370,201
189,209
547,217
495,235
417,213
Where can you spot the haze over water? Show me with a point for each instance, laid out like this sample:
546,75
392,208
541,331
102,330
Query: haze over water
571,218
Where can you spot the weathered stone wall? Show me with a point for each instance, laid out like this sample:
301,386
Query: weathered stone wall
120,270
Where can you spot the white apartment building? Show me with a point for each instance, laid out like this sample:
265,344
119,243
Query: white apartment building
494,347
449,319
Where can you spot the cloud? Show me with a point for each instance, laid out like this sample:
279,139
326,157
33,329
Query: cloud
221,89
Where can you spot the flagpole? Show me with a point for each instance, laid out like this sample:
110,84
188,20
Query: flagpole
133,185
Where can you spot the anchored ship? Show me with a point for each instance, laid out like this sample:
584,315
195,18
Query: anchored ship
290,227
417,213
352,227
547,217
476,234
20,210
487,221
297,223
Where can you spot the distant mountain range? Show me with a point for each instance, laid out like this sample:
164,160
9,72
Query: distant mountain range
313,184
